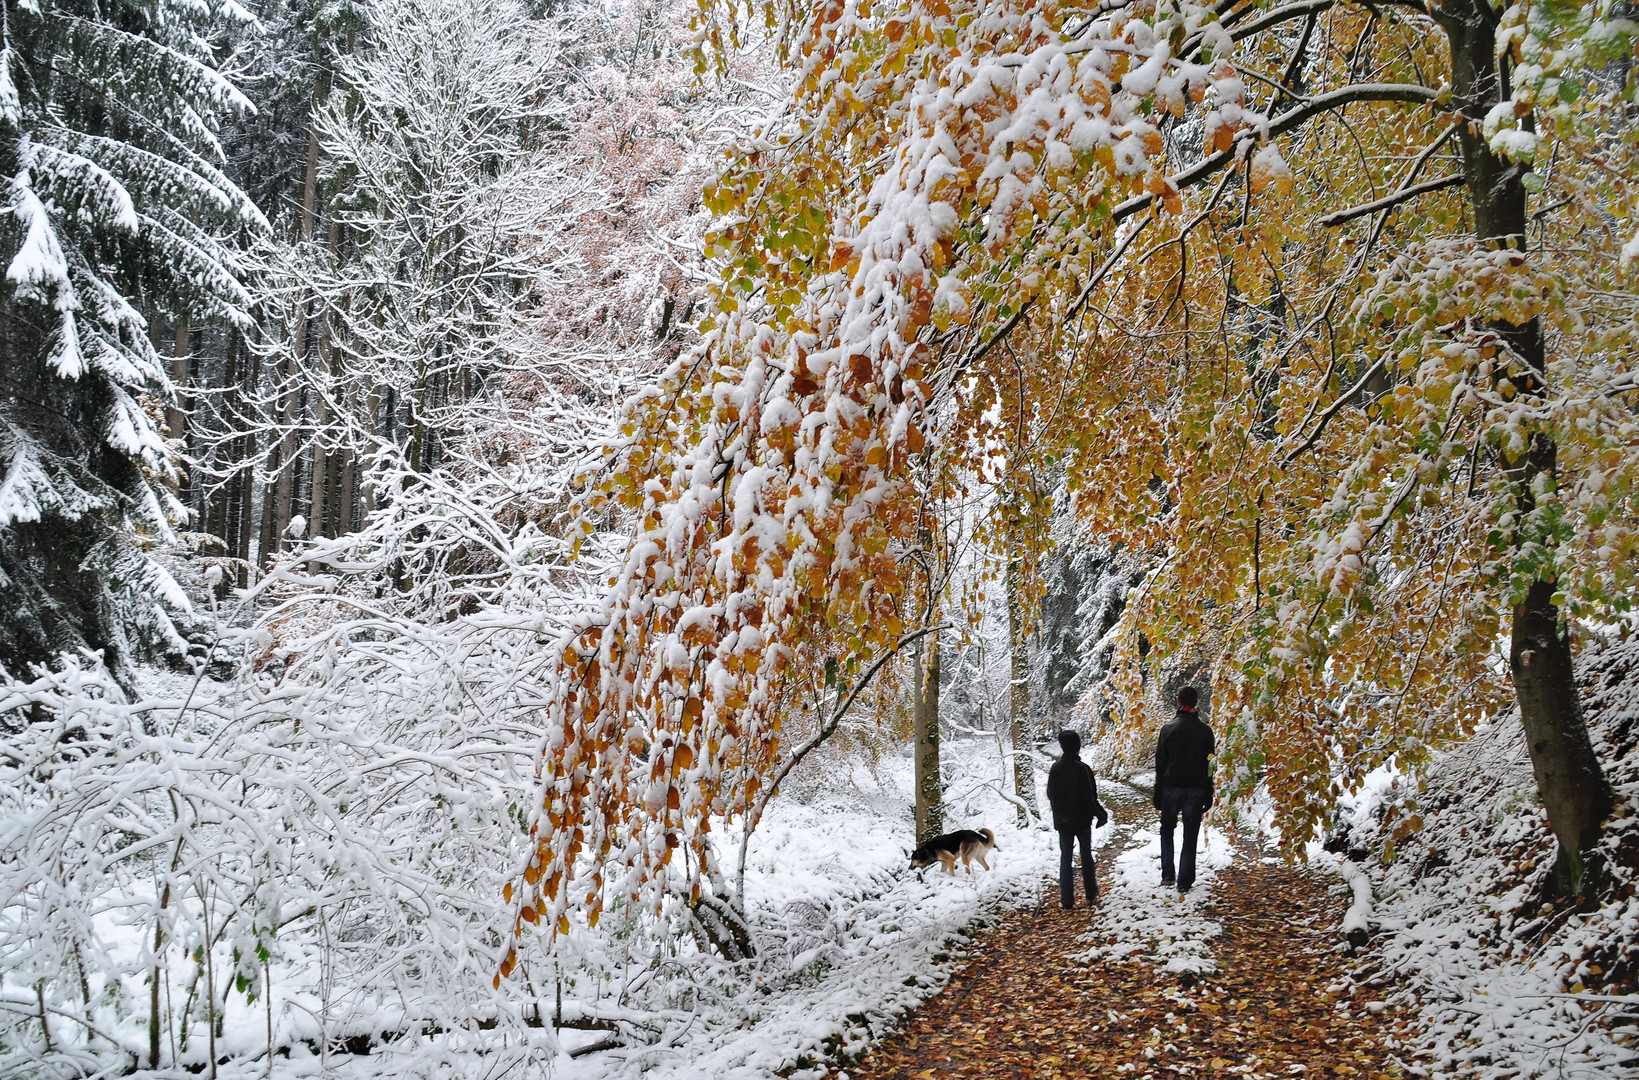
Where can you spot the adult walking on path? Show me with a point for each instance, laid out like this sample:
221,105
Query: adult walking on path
1183,786
1072,792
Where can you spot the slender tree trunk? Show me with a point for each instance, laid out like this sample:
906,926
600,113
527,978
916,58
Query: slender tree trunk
176,416
318,471
283,483
346,482
1024,772
930,808
319,479
222,503
247,452
377,421
1569,778
270,498
289,399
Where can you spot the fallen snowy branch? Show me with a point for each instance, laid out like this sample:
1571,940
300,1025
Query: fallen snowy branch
1357,921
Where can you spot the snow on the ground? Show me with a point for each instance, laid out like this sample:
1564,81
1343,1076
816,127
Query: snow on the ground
1138,916
892,937
1507,984
850,939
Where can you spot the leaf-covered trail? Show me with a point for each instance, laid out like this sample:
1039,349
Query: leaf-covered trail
1052,994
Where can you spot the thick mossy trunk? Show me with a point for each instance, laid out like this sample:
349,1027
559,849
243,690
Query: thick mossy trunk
1569,778
1572,784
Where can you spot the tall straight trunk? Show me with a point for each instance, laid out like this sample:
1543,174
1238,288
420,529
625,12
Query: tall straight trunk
176,416
181,376
222,500
1569,778
289,399
318,470
930,806
318,502
378,422
267,545
346,481
247,508
1024,772
332,494
283,484
252,367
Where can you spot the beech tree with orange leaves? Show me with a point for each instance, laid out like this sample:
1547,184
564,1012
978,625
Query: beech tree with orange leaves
1319,306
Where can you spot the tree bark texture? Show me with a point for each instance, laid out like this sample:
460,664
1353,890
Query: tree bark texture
930,808
1024,773
1569,778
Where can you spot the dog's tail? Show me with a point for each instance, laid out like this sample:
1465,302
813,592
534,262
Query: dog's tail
990,837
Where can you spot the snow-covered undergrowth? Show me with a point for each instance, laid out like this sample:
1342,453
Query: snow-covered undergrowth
852,939
1140,918
255,870
1508,984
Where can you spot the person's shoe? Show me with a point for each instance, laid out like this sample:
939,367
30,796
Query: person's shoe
1168,883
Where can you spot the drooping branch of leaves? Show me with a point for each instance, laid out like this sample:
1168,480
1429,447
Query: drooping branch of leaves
946,178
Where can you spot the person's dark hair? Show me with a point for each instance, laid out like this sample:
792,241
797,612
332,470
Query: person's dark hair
1187,697
1070,741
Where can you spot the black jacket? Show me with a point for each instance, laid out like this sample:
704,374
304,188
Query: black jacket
1072,792
1181,753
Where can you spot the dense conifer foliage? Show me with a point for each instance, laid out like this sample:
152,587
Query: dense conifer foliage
117,214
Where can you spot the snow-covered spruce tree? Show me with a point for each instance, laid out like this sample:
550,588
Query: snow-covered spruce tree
114,212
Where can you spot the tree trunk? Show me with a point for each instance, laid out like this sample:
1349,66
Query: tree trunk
319,471
320,479
377,423
247,452
176,417
288,397
1569,779
1572,784
346,482
1024,773
930,808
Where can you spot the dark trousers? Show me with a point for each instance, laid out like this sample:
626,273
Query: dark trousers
1188,803
1089,869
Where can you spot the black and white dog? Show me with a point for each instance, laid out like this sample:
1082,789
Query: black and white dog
964,844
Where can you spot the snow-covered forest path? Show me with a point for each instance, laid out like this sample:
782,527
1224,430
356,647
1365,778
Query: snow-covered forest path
1243,978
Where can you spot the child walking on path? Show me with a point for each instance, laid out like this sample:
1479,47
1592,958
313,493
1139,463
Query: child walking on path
1072,792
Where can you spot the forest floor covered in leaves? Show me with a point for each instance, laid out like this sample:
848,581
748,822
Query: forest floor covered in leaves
1243,978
